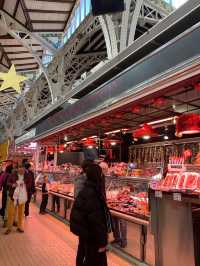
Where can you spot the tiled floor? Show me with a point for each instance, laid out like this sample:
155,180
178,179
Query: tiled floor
46,242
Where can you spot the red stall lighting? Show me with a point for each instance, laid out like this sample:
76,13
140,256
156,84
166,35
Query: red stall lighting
188,124
136,109
146,131
197,86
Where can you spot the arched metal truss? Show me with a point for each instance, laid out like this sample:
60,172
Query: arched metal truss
120,29
113,32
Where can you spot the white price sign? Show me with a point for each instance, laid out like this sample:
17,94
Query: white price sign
158,194
177,196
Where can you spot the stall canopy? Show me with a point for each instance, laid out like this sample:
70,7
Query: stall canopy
135,83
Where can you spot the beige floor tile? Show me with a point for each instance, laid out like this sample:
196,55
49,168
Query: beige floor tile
46,242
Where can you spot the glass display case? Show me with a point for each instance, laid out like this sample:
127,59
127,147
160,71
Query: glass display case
125,194
127,198
128,195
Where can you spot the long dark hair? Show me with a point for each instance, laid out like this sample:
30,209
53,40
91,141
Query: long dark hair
86,164
95,175
9,169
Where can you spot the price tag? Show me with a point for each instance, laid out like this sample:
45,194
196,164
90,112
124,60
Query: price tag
158,194
177,196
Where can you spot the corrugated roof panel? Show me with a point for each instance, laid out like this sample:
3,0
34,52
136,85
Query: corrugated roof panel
23,61
48,26
48,16
43,5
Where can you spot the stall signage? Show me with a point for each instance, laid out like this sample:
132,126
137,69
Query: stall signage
177,196
158,194
28,136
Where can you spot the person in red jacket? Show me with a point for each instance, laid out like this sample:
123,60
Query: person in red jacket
30,186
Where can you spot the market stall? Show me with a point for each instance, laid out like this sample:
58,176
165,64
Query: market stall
137,146
127,199
139,131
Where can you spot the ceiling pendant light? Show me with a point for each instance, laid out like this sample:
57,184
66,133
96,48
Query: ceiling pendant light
146,131
89,142
111,142
197,86
188,124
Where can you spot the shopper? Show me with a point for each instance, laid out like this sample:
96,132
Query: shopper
30,185
17,199
78,186
81,179
4,188
90,218
44,195
55,204
119,232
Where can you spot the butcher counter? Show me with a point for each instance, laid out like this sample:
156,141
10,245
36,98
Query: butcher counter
139,243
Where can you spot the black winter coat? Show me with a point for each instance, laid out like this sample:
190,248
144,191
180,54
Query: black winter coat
29,181
88,218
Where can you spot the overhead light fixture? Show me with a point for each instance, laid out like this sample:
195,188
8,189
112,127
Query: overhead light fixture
166,137
70,142
113,143
145,132
188,124
197,86
65,138
72,100
89,143
162,120
116,131
90,147
61,151
112,132
65,145
146,137
174,107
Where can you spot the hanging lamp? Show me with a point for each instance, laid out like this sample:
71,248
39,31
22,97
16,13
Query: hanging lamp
187,124
90,142
197,86
109,142
144,131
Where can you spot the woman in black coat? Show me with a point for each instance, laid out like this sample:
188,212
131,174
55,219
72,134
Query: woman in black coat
4,188
90,219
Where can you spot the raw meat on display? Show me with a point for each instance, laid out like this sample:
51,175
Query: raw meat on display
191,181
181,181
167,182
175,180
